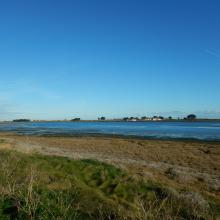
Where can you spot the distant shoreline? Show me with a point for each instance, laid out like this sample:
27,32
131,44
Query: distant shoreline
147,121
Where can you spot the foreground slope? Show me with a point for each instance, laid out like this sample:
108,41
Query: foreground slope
46,187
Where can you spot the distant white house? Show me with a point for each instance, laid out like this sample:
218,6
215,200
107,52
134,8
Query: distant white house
133,119
148,119
154,118
157,119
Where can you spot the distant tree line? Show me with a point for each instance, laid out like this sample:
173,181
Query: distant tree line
155,118
21,120
190,117
102,118
145,118
76,119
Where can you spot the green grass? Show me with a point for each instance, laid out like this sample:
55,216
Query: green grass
43,187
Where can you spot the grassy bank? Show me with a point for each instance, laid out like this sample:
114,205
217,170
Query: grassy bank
43,187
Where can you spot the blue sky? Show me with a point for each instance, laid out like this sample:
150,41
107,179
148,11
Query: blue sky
71,58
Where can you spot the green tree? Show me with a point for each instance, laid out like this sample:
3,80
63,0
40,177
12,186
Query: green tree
191,117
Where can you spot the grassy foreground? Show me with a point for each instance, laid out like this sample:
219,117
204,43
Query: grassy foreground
43,187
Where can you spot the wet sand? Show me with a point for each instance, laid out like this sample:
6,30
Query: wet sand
181,164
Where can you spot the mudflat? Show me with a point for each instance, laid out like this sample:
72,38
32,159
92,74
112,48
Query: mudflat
194,165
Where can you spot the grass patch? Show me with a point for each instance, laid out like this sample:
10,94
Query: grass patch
44,187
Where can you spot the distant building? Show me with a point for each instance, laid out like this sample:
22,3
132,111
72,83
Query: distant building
158,118
133,119
146,119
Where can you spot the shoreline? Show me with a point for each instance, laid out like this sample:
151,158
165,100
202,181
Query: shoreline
106,135
118,120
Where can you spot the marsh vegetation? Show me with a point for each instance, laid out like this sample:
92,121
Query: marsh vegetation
46,187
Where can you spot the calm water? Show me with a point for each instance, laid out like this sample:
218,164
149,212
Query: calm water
195,130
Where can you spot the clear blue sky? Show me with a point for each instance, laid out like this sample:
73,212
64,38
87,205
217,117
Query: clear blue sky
69,58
